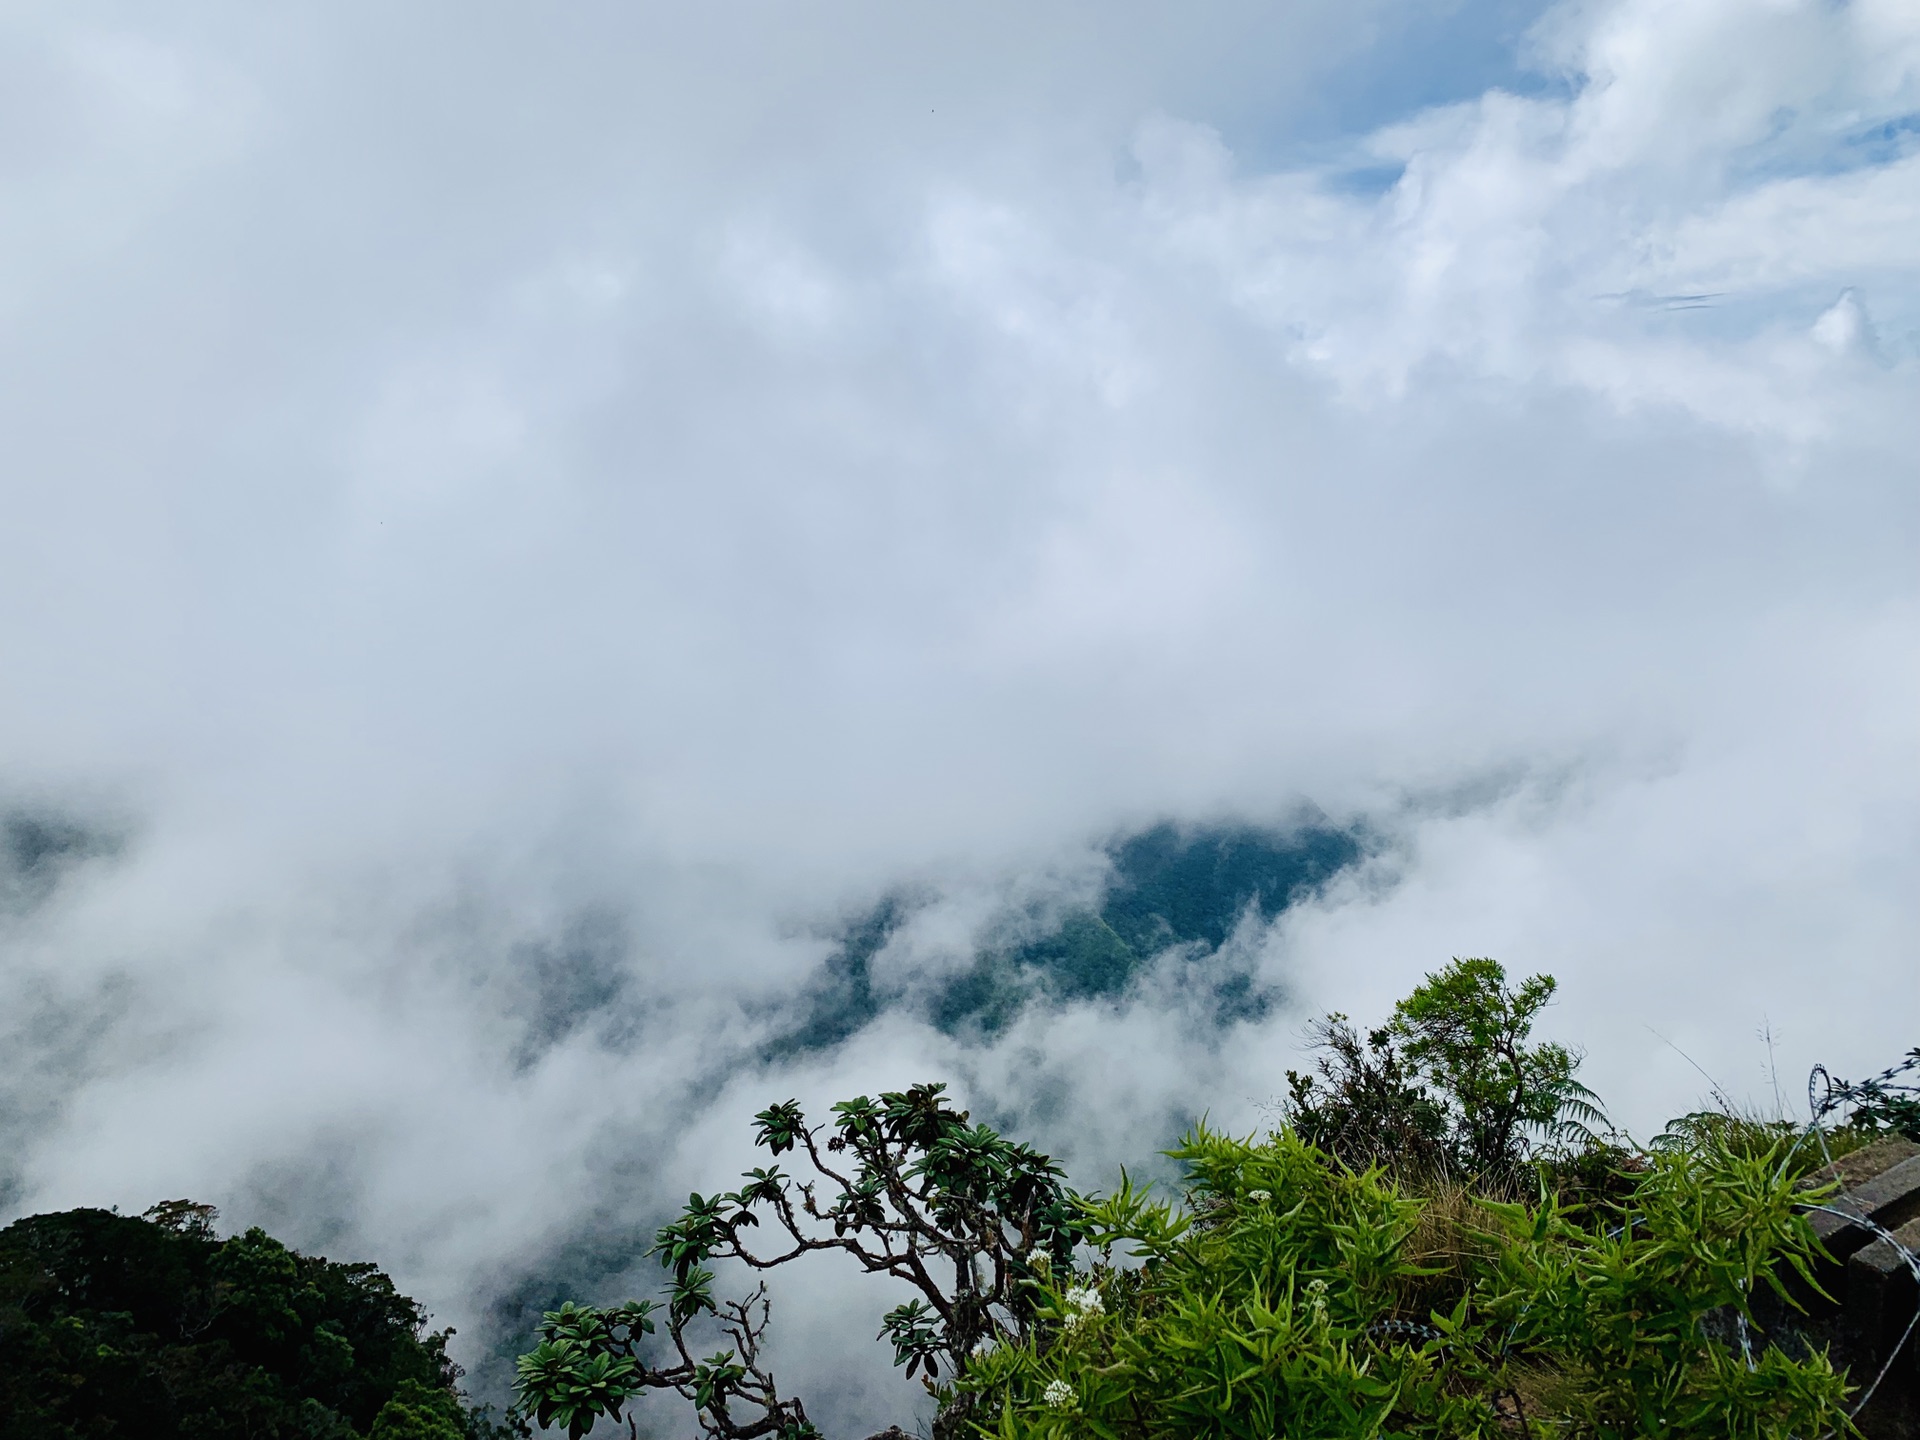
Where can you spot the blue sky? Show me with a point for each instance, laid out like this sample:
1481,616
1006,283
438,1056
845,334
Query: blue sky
479,471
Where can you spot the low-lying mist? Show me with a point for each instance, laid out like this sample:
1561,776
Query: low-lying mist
566,577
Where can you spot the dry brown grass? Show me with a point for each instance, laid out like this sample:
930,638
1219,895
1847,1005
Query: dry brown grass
1447,1242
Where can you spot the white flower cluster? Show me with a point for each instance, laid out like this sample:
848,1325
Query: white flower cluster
1259,1197
1317,1299
1058,1394
984,1345
1083,1303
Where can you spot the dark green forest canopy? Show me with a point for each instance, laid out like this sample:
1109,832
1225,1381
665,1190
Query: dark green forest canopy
112,1326
1170,887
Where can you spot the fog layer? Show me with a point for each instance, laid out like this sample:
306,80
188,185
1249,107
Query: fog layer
524,525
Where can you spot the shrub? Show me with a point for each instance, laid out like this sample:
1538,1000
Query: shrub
1276,1302
1289,1294
1449,1085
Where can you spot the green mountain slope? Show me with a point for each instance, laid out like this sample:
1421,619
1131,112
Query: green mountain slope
112,1326
1169,888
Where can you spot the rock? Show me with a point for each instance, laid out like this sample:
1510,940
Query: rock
1889,1199
1857,1167
1882,1294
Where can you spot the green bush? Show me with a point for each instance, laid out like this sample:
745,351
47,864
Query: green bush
1275,1301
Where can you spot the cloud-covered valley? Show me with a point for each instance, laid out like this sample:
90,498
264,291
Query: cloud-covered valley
539,544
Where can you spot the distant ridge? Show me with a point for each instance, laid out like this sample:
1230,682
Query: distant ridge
1170,887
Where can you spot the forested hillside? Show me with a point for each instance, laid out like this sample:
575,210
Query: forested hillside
1167,887
153,1327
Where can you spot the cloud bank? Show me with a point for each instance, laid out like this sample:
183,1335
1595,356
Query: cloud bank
522,526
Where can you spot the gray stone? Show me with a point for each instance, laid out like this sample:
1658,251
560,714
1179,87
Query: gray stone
1882,1294
1856,1167
1889,1199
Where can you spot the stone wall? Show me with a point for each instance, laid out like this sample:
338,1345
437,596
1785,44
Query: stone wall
1873,1295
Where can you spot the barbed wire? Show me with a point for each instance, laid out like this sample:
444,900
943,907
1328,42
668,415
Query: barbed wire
1835,1093
1825,1096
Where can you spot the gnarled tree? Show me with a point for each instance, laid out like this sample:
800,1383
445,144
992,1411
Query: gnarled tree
905,1185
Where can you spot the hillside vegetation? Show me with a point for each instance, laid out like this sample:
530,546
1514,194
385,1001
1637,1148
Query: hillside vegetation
1443,1239
1171,893
153,1327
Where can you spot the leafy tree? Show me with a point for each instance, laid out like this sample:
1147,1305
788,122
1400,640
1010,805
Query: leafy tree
904,1185
419,1412
1449,1083
112,1325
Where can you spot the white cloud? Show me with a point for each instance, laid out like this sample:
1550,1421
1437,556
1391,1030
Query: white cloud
470,471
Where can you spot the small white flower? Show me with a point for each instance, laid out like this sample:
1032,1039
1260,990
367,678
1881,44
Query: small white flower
1085,1297
1073,1321
1058,1394
1259,1197
1317,1298
984,1345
